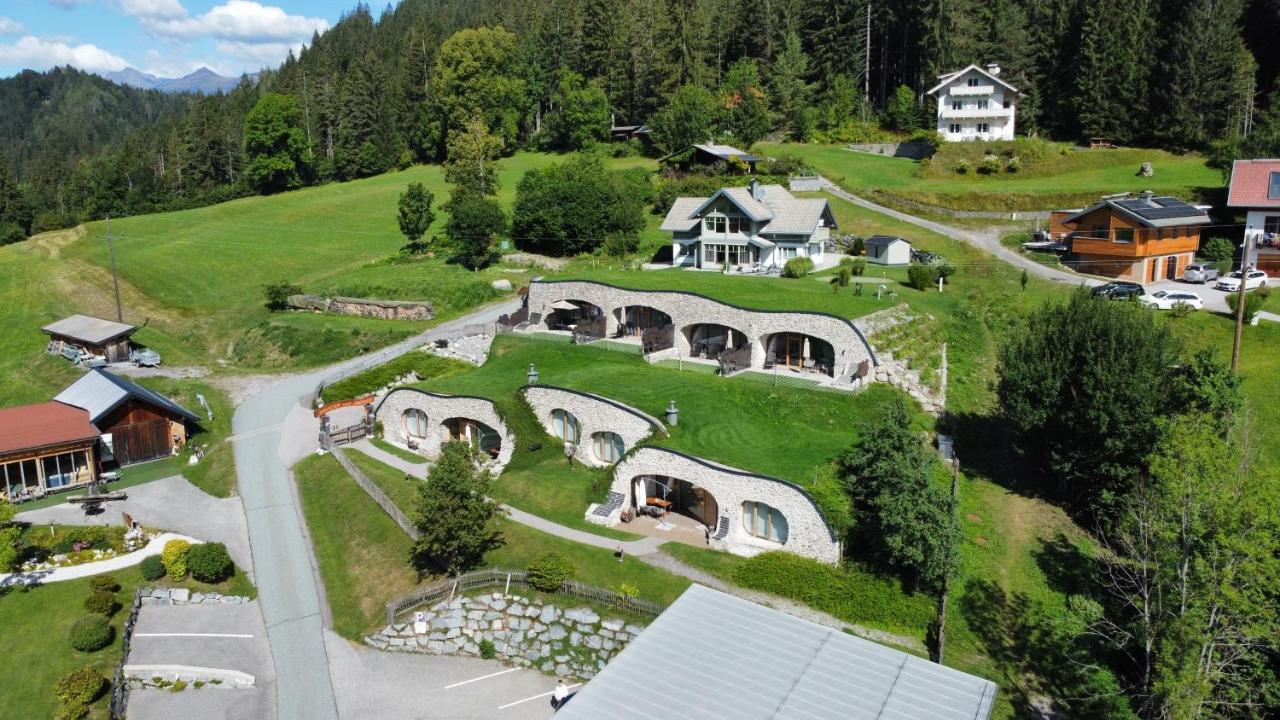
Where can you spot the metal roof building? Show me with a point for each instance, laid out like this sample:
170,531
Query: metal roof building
88,329
716,656
99,392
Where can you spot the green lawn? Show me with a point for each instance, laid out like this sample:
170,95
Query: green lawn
34,651
401,488
1051,182
399,452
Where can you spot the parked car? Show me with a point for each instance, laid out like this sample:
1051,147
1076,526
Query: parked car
1169,299
1231,281
1119,290
1200,274
144,357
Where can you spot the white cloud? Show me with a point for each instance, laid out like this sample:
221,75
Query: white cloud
163,9
69,4
41,54
255,56
242,21
9,26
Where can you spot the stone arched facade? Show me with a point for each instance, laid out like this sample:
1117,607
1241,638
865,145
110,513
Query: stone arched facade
594,414
808,533
685,309
438,409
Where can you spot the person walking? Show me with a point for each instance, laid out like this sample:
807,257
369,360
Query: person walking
559,695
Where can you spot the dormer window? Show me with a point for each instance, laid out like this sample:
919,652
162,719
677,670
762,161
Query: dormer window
1273,187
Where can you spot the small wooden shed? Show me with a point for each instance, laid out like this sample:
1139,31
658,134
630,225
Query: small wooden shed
103,338
888,250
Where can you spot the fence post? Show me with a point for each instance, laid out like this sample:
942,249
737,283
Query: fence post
507,590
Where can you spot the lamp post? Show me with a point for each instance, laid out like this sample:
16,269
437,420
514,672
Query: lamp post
673,414
1244,280
533,374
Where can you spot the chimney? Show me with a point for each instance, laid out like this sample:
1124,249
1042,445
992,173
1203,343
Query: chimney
993,69
1147,195
757,190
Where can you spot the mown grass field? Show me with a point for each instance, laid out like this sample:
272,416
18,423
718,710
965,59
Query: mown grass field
1051,182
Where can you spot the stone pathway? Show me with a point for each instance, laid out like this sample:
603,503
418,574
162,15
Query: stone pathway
75,572
669,563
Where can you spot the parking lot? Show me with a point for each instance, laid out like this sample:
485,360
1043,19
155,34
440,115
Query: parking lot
1214,300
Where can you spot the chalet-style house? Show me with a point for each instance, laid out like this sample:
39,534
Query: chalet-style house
707,155
80,337
747,228
1142,238
975,104
45,447
136,424
1255,189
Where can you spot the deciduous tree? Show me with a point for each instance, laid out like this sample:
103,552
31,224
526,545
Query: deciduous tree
473,160
474,222
416,214
688,118
275,144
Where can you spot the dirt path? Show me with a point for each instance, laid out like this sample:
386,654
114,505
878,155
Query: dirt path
795,609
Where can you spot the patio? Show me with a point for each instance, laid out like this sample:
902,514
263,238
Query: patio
799,354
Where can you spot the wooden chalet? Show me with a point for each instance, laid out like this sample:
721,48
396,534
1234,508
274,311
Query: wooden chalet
1141,238
44,448
136,424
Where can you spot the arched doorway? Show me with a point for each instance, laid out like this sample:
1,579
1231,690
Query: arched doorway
800,352
474,433
576,315
707,340
638,318
677,496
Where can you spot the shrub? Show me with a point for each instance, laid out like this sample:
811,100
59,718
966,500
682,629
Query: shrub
841,278
1217,249
963,166
152,567
80,687
104,583
178,686
990,164
91,632
944,270
625,591
74,712
487,650
550,571
1253,302
174,557
101,602
921,277
859,247
858,267
797,267
277,294
210,562
1013,165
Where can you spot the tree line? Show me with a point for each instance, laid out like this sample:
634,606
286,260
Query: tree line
375,93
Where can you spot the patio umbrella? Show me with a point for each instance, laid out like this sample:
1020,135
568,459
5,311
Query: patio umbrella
563,305
641,498
806,347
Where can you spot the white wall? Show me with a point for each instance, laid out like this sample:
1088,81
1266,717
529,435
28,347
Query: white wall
1255,222
1001,128
896,254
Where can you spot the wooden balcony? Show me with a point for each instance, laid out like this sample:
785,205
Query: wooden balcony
1138,248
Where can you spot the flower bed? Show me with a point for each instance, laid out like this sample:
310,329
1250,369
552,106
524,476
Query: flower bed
44,547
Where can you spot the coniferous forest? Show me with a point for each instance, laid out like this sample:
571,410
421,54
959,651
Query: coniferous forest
380,91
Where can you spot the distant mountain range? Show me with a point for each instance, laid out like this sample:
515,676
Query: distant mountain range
203,80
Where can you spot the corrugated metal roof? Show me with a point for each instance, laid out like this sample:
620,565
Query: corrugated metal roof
88,329
712,655
49,423
99,392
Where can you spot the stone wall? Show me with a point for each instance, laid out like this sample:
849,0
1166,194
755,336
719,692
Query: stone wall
808,532
570,643
594,414
439,408
688,309
183,596
363,307
913,149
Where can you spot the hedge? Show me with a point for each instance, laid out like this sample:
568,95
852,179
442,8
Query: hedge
847,593
80,687
92,632
210,563
549,571
174,557
426,365
152,567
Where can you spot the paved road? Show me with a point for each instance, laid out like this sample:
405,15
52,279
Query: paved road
988,240
288,593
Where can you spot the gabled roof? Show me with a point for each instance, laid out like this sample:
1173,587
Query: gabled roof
713,655
781,212
1150,211
99,392
946,79
1250,181
88,329
724,152
884,240
49,423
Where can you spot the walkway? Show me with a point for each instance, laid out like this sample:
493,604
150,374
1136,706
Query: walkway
418,470
265,448
987,240
75,572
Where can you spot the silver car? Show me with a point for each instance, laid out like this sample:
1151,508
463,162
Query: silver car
1200,274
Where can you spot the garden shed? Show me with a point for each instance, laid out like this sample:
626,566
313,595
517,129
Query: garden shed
101,338
888,250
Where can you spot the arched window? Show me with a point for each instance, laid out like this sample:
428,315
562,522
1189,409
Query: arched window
415,423
608,447
764,522
564,425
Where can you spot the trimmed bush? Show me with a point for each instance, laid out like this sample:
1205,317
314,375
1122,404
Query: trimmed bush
91,632
550,571
174,557
152,567
101,602
74,712
80,687
210,563
858,267
797,267
921,277
104,583
1253,302
487,650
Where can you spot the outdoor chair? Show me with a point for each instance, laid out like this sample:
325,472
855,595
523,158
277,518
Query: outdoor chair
808,364
770,360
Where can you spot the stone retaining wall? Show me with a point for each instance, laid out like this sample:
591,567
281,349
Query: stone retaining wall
183,596
570,643
363,307
912,149
594,414
439,408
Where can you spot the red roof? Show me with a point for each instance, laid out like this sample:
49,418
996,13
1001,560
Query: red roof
43,424
1250,180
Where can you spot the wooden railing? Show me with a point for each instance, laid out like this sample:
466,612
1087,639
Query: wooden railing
375,492
497,577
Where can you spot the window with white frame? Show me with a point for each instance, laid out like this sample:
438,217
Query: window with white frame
984,127
565,425
735,224
762,521
982,104
415,423
786,253
972,82
607,446
954,128
957,105
715,224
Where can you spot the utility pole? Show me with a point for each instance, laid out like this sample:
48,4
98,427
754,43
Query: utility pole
115,279
1244,277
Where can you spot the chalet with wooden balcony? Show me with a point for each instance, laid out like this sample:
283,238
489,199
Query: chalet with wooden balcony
1141,238
975,104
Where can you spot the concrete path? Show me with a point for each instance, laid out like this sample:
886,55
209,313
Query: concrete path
224,637
418,470
75,572
273,429
643,546
172,504
1264,315
988,240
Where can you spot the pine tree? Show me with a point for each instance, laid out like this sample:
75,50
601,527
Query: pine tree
689,49
456,524
834,30
1111,79
791,92
1200,63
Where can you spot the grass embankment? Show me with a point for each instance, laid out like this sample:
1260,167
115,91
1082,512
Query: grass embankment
424,364
1052,175
35,652
364,557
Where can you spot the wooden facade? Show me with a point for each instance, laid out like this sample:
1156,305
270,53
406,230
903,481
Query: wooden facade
1107,243
33,472
141,431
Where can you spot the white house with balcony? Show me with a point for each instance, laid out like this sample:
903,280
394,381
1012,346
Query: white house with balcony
747,229
975,104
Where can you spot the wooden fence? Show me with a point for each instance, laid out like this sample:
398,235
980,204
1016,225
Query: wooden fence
497,577
347,435
119,685
376,493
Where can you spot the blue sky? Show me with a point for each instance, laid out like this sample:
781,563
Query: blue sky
169,38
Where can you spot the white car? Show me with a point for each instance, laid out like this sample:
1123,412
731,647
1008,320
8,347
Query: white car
1231,281
1169,299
